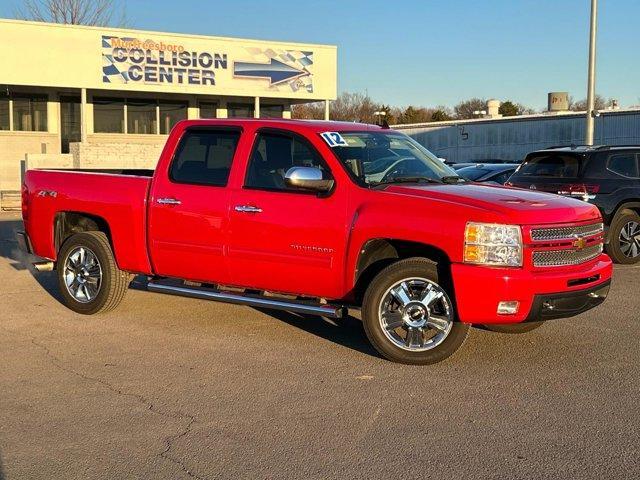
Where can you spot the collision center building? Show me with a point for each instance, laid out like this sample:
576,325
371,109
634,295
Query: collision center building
99,97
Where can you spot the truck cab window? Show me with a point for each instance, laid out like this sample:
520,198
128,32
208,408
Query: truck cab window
273,155
204,157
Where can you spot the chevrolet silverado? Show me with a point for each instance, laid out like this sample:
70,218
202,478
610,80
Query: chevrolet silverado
315,218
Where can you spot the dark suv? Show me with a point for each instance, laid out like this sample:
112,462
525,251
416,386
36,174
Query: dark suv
606,176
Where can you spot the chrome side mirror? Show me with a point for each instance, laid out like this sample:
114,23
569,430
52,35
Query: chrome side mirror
307,178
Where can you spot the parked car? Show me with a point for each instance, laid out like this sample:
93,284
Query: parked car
285,212
497,173
605,176
488,161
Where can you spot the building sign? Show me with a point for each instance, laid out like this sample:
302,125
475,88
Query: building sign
133,60
101,58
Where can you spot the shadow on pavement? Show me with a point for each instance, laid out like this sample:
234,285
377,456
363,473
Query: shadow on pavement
8,244
347,331
2,477
21,261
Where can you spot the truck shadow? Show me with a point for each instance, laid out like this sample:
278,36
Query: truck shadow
19,260
9,246
2,477
347,331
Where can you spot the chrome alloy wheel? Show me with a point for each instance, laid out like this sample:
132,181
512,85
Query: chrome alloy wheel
630,239
82,274
416,314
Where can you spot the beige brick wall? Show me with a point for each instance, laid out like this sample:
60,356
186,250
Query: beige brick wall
13,149
49,160
118,151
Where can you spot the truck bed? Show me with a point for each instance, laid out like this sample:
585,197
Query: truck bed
116,197
132,172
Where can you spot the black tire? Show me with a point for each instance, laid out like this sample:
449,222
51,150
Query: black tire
113,284
615,248
373,298
514,328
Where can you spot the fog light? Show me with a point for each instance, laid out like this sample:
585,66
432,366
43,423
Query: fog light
508,308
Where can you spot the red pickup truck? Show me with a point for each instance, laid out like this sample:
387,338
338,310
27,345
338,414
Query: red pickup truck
315,218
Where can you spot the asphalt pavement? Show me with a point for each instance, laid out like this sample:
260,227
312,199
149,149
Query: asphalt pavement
175,388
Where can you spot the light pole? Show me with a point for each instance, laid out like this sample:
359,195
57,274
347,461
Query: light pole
591,78
379,116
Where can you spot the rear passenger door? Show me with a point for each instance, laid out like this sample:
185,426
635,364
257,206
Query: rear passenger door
188,211
613,175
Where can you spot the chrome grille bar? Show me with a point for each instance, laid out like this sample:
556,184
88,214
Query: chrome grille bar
557,258
565,233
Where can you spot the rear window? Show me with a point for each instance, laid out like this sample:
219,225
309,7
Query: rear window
624,164
204,157
550,165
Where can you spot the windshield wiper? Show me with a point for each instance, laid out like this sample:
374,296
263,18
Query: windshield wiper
407,179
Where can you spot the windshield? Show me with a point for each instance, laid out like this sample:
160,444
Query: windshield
377,157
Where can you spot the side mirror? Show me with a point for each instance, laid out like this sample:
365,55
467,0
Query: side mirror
307,178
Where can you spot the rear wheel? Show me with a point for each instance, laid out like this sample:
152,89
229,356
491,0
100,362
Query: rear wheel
624,238
408,315
89,279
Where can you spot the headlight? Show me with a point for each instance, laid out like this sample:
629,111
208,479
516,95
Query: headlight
493,244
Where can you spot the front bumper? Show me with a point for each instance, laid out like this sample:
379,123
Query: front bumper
568,304
567,291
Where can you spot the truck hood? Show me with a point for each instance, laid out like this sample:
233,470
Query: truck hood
517,206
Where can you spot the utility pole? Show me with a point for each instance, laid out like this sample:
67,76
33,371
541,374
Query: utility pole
591,79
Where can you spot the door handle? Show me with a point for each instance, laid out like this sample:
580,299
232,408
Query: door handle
248,209
168,201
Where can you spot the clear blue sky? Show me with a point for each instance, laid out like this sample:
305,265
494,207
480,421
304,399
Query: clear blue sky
429,52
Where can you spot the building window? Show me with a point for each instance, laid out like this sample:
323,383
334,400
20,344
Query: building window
240,110
208,110
4,112
108,115
30,113
271,111
141,117
170,114
70,129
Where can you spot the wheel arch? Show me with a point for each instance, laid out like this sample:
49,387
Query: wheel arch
67,223
633,205
378,253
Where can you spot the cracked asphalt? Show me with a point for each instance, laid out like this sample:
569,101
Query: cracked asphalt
175,388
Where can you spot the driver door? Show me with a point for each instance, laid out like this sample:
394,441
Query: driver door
285,239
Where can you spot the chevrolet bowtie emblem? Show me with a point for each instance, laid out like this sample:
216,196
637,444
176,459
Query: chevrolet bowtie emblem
579,243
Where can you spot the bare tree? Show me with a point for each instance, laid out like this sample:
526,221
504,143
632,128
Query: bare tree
74,12
466,108
308,111
349,107
601,103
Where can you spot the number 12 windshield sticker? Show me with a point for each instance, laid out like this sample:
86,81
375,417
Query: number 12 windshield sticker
334,139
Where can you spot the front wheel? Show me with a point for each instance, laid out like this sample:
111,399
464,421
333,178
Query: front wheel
409,317
90,281
624,238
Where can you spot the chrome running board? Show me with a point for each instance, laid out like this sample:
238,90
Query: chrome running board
323,310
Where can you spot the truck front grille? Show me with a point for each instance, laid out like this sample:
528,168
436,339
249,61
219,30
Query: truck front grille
556,258
565,233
